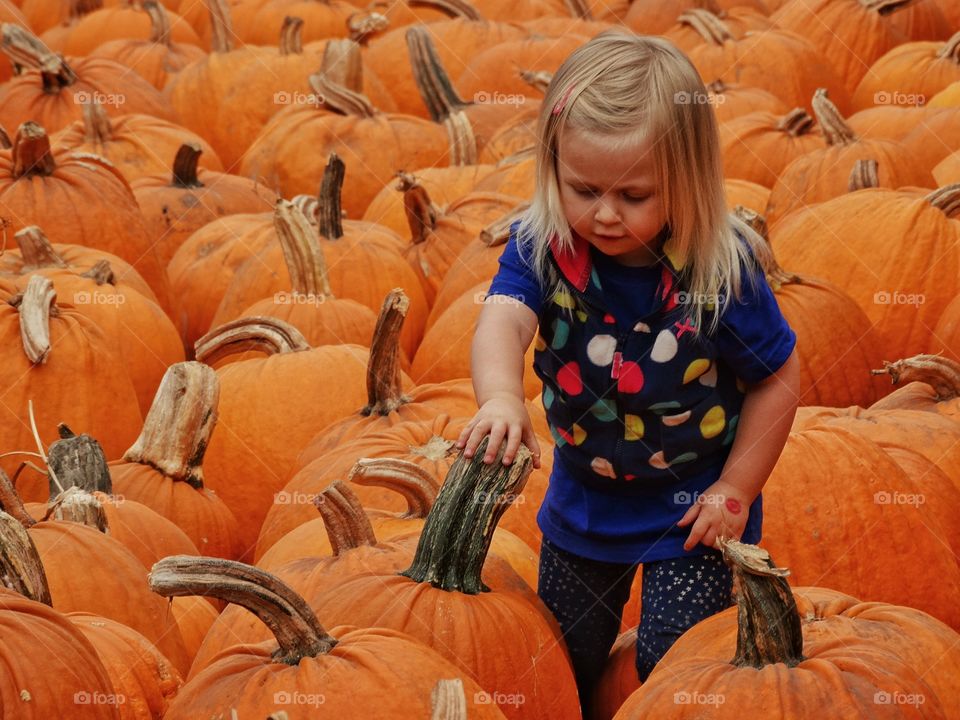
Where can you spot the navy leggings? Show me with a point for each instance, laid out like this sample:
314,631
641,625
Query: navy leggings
587,598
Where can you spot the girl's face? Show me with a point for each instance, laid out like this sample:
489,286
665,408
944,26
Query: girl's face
611,198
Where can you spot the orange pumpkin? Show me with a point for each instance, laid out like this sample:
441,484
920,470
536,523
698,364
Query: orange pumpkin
757,146
746,194
733,99
653,17
740,20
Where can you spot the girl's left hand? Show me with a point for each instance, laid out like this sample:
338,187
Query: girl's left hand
720,510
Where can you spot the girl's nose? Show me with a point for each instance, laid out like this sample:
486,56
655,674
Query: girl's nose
606,213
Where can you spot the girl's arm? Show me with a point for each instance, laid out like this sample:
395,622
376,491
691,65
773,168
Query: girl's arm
765,421
504,331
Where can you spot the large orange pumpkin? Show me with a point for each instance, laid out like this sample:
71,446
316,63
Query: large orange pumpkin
757,146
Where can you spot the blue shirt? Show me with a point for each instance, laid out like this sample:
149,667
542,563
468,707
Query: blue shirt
754,339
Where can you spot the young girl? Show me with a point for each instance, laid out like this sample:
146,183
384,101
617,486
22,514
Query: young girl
669,375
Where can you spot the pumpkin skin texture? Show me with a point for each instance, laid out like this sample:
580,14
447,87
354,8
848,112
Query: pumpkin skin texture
757,146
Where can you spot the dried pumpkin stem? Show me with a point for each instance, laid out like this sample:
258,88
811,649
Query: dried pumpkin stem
864,175
448,701
298,632
79,506
539,80
221,26
885,7
834,127
435,86
795,123
463,143
329,215
301,251
36,250
409,479
951,49
291,36
78,461
453,8
347,524
177,429
36,306
384,385
5,143
708,25
498,232
264,334
421,213
579,9
31,151
768,622
946,199
96,124
28,51
365,24
101,273
159,22
21,569
341,99
185,166
343,64
776,275
940,373
459,528
12,503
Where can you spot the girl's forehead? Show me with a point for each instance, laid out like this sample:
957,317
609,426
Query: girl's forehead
595,156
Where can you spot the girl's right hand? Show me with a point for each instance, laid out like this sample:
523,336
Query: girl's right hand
500,417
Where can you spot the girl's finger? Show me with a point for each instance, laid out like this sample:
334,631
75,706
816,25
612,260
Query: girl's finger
497,432
696,534
513,443
476,435
530,440
465,433
690,515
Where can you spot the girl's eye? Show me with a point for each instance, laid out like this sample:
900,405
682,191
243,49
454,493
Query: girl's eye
635,198
586,193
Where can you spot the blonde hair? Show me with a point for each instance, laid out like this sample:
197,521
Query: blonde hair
625,87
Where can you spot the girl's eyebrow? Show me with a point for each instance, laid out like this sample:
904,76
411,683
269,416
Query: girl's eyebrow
590,186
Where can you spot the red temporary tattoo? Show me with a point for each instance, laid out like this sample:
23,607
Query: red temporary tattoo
733,506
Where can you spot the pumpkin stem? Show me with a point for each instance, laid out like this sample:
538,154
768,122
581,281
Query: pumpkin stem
27,50
301,252
263,334
946,199
409,479
951,49
221,26
77,505
36,250
298,632
579,9
835,129
384,385
343,63
884,7
36,305
31,151
940,373
347,524
177,429
185,166
101,273
864,175
341,99
454,8
364,24
708,25
459,528
5,143
776,276
448,700
795,123
291,36
498,232
329,213
12,503
436,89
421,213
539,80
21,569
159,22
78,461
463,143
767,618
96,124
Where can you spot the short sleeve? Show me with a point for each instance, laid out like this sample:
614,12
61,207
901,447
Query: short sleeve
516,277
754,338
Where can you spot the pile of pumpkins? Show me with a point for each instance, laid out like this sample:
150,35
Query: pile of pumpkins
244,247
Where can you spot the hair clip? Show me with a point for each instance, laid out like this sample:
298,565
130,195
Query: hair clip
562,103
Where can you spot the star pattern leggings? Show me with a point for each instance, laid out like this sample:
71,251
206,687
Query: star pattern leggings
587,598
